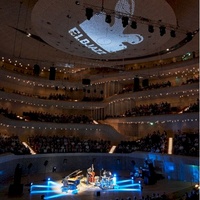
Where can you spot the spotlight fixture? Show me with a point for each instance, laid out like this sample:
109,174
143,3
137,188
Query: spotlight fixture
54,169
162,30
189,36
77,2
88,13
124,21
108,19
173,33
150,28
134,24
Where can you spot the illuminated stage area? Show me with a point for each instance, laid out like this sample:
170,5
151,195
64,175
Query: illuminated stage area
55,189
125,188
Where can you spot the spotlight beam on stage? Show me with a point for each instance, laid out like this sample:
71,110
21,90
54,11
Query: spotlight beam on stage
124,181
53,190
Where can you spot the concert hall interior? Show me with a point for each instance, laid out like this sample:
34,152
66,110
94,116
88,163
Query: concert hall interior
99,99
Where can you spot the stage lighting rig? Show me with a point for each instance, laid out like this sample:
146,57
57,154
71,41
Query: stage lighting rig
125,21
134,24
108,19
89,13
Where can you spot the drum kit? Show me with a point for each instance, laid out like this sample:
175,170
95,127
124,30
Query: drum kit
106,181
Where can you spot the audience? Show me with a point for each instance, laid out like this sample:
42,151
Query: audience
47,117
151,109
191,80
9,114
186,144
192,107
63,144
191,195
155,142
12,144
147,110
150,86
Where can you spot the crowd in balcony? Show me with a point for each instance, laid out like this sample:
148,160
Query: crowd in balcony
149,86
193,107
92,99
9,114
155,142
149,109
62,118
12,144
61,97
157,85
186,144
62,144
47,117
191,80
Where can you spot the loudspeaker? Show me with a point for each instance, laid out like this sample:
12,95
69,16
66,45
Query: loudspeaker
86,81
46,163
17,175
36,70
15,189
145,83
98,193
136,84
52,73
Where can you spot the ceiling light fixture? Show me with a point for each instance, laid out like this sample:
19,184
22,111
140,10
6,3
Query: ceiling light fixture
108,19
150,28
124,21
173,33
189,36
162,30
89,13
134,24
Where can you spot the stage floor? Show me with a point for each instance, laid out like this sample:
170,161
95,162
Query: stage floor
89,191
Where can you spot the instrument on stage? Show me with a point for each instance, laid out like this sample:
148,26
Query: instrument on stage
91,174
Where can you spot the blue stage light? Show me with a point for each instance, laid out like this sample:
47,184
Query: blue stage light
114,179
123,181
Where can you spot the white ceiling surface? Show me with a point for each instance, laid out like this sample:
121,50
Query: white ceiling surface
51,20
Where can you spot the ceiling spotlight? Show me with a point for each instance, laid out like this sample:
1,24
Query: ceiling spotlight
28,35
162,30
134,24
77,2
189,36
173,33
108,19
88,13
124,21
150,28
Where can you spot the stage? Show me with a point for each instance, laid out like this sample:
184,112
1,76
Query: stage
86,191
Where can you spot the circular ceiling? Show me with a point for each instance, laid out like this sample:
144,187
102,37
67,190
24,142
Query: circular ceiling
104,30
